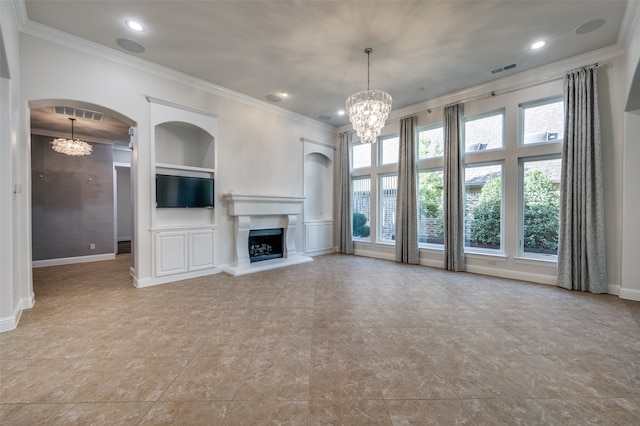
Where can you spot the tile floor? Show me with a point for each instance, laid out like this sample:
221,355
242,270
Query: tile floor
342,340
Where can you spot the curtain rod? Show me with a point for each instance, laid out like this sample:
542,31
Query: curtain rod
510,90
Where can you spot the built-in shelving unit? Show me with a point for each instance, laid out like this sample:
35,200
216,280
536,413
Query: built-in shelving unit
183,142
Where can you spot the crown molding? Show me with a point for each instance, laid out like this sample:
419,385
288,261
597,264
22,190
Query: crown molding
20,13
323,144
62,38
176,105
629,22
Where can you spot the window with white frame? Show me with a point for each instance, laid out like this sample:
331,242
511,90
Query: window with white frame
388,196
540,206
361,207
389,150
541,129
484,132
361,156
542,121
483,207
430,142
430,186
500,174
430,208
374,173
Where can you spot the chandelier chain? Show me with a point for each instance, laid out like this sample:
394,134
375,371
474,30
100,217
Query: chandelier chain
368,50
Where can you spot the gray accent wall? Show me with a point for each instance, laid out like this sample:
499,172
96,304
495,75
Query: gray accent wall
72,201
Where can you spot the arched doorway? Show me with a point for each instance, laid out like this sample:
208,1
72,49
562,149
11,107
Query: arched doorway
75,207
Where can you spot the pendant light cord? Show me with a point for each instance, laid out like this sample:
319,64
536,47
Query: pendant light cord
368,52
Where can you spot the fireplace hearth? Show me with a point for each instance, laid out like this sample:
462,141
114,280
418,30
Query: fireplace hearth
265,244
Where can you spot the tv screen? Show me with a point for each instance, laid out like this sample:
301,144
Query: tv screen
183,191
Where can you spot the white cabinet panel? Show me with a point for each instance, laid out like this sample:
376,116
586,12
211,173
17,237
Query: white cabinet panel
326,236
178,252
202,249
171,253
318,236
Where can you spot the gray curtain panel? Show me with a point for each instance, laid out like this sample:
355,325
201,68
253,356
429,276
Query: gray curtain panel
453,192
345,240
581,245
407,202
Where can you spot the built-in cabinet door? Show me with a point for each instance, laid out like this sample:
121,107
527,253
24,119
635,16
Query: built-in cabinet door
185,251
202,249
171,253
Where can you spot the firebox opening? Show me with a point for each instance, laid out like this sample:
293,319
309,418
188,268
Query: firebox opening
265,244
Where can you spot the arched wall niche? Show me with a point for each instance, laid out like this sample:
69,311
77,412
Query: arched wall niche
318,192
318,170
172,134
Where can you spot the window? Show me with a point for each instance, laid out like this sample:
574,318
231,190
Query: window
540,207
361,199
430,215
389,150
430,185
430,143
483,207
388,196
542,121
361,156
484,132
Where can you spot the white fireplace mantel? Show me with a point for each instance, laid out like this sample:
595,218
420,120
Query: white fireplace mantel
263,205
262,212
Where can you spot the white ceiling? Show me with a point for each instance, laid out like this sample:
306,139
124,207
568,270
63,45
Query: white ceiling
314,50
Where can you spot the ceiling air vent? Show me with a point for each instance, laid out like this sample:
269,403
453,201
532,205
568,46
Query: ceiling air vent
505,68
79,112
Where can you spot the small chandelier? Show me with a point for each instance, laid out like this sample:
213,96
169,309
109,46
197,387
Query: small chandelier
368,110
73,147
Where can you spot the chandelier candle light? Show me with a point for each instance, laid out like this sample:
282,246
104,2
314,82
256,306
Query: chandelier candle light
73,147
368,110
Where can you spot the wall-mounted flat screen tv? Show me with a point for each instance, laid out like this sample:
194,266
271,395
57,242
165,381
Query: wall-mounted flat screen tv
184,191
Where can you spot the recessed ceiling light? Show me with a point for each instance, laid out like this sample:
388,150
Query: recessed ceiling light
341,112
538,45
284,94
134,25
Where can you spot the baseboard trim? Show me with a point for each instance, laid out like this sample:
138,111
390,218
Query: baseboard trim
375,254
11,322
613,289
630,294
320,252
150,282
72,260
513,275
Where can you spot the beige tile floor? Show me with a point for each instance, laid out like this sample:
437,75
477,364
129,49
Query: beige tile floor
342,340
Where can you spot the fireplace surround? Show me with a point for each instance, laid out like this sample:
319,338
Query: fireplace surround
259,213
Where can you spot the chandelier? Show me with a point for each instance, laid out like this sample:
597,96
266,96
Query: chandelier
73,147
368,110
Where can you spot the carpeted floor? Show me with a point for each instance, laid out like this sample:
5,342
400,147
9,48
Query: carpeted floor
341,340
